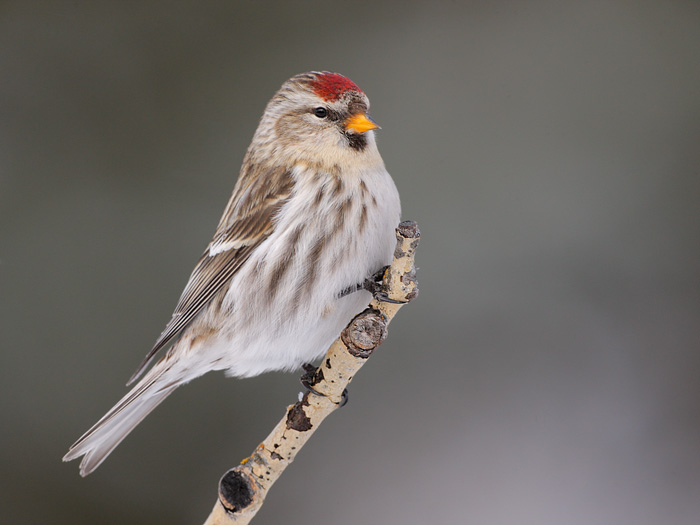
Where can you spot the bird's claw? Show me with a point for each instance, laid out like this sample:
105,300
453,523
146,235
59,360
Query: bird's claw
375,286
309,380
343,398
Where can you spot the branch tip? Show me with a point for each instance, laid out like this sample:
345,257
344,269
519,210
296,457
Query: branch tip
408,230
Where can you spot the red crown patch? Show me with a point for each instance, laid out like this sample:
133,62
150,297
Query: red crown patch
331,86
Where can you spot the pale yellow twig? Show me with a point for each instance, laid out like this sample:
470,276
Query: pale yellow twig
242,490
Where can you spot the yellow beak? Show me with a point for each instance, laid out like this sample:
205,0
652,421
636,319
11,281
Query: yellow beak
360,123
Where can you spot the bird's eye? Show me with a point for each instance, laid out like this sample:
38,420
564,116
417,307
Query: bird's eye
321,112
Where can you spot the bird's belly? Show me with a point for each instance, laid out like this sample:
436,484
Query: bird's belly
299,339
293,312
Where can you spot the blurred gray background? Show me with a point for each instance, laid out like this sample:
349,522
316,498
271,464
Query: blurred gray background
549,150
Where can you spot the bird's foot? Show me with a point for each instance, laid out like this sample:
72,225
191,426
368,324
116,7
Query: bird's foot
374,285
310,378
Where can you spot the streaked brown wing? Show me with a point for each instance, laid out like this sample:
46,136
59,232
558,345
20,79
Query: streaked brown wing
248,220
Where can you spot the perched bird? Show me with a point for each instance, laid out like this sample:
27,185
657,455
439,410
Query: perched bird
311,218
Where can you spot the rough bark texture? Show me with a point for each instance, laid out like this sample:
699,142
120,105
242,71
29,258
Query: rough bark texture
242,490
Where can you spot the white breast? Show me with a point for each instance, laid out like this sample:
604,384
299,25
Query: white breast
336,230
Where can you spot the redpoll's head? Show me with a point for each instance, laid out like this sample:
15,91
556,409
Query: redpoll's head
316,116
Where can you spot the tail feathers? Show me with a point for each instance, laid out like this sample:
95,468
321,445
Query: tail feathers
104,436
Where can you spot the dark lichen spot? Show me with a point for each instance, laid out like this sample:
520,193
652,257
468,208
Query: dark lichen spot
297,418
235,492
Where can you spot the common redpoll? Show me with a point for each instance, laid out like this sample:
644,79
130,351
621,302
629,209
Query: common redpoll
312,216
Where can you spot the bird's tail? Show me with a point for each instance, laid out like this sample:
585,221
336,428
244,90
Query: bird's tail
98,442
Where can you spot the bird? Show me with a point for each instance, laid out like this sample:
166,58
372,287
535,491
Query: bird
310,222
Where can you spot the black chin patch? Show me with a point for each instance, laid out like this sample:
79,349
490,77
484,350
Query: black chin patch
357,141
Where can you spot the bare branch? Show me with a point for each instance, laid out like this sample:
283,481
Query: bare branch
242,490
